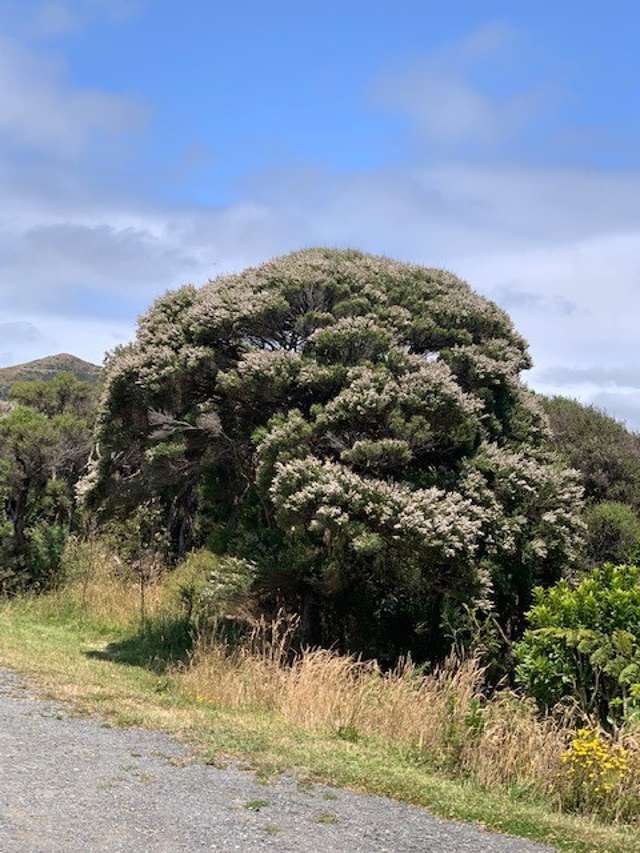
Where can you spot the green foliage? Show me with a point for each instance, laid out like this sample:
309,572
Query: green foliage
211,588
78,561
356,426
140,538
605,452
45,437
186,583
584,643
46,547
62,394
613,533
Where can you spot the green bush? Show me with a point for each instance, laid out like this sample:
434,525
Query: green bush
45,438
211,588
583,644
613,533
46,544
186,582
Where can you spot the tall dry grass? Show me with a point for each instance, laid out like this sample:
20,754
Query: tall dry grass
100,587
442,718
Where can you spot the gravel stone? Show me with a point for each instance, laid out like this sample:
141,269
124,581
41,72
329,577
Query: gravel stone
75,785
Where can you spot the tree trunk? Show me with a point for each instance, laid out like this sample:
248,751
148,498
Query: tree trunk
310,619
18,516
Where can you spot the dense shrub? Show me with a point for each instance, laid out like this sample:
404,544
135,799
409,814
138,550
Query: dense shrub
46,543
613,533
605,452
599,777
212,589
583,643
356,426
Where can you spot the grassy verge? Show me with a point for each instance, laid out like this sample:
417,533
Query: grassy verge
82,662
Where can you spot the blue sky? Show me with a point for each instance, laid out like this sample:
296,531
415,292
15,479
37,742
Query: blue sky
145,144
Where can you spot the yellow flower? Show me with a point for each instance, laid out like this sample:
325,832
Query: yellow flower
596,767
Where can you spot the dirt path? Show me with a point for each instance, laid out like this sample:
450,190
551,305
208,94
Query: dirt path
70,784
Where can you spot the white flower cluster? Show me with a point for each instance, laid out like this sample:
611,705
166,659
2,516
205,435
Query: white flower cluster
328,496
533,504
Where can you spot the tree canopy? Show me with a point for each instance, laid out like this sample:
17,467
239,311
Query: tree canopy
355,425
605,452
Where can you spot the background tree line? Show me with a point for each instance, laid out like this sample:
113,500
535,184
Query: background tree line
45,438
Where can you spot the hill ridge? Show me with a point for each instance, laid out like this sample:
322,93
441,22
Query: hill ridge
47,368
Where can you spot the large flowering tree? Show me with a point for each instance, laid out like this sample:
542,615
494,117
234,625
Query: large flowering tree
357,426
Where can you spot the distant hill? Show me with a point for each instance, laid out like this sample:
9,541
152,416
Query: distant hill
47,368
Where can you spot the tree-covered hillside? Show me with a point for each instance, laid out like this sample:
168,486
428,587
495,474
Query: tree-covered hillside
606,453
47,368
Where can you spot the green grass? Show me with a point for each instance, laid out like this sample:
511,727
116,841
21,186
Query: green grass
256,805
106,670
327,819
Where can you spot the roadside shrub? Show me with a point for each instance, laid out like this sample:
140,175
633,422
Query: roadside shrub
613,533
46,542
184,584
212,590
227,587
583,644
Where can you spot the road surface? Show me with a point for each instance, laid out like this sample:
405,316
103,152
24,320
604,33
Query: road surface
72,785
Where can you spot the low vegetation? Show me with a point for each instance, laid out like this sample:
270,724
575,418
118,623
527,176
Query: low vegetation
583,645
429,736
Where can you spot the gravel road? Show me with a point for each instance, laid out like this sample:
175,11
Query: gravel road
74,785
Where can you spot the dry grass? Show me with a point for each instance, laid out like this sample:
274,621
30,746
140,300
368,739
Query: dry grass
443,718
102,587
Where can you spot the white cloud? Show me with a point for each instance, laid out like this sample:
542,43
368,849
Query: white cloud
117,10
624,376
69,259
443,101
54,19
18,339
447,109
40,108
625,405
